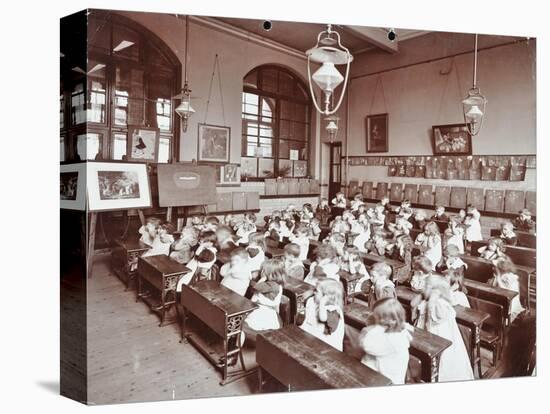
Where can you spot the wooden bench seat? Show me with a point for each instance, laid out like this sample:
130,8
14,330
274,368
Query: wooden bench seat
523,256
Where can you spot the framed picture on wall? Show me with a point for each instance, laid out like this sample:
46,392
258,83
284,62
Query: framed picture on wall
72,183
377,133
143,145
231,174
117,186
214,143
452,139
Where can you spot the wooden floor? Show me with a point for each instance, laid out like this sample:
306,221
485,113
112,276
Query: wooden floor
132,359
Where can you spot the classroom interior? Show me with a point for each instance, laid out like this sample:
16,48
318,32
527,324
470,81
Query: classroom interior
133,331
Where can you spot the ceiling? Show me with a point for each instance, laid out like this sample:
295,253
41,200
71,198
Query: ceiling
303,36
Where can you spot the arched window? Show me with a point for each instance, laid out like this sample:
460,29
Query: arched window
276,124
129,80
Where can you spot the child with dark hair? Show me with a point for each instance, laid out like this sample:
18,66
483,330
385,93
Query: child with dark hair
294,267
323,212
200,269
505,277
523,221
507,234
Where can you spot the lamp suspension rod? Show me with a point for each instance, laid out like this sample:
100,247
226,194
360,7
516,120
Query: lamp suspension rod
475,63
186,45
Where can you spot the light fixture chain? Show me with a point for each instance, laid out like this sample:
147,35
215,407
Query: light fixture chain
216,68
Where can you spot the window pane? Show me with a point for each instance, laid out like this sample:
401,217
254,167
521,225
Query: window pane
284,149
129,96
299,131
62,149
269,80
286,84
287,110
78,105
300,112
119,146
164,150
61,110
88,145
268,109
266,131
250,103
159,104
97,90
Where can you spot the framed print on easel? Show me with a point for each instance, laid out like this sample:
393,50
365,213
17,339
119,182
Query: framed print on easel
72,183
143,144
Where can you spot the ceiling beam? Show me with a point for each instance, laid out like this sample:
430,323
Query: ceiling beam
374,36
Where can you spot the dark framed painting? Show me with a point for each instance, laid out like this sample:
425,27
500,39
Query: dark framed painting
214,143
143,144
452,139
377,133
72,183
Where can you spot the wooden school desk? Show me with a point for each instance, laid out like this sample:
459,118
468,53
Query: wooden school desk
271,252
498,295
349,282
124,254
425,346
523,256
223,312
303,362
161,274
399,269
298,292
525,239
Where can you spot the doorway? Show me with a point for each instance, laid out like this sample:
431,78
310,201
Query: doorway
335,170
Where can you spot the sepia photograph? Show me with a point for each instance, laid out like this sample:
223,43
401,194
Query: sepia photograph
314,250
72,186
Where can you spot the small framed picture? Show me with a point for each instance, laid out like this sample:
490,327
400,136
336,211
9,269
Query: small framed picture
300,168
214,143
72,183
377,133
453,139
231,175
249,167
117,186
143,144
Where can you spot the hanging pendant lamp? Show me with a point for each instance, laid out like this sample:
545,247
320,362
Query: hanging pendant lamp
184,109
473,106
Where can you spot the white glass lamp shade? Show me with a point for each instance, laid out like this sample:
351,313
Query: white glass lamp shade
184,109
327,77
474,110
332,130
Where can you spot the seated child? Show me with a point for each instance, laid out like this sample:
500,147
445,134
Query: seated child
267,294
162,241
353,264
473,225
236,273
256,251
377,218
323,212
458,290
197,221
229,221
306,215
245,227
273,234
440,214
422,269
338,241
378,244
357,202
385,202
184,248
401,226
149,230
339,225
207,241
200,269
494,249
437,316
505,277
386,341
507,234
294,267
314,229
211,223
226,243
286,226
451,261
430,243
324,317
324,266
454,234
462,215
301,238
340,201
363,236
405,210
402,250
382,287
524,222
419,220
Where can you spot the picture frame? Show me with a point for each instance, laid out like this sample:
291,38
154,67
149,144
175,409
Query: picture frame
186,184
451,139
300,169
214,143
72,183
143,144
117,186
230,175
249,167
376,127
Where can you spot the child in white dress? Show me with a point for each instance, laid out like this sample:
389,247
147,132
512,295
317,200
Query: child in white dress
200,269
382,287
236,274
494,249
437,316
162,241
183,247
267,294
149,231
324,266
458,290
386,342
256,251
506,278
430,243
245,228
301,238
357,202
354,265
324,316
454,234
314,229
473,225
363,236
339,201
507,234
294,267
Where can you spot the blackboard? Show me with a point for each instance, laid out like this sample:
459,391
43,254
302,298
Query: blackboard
186,185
